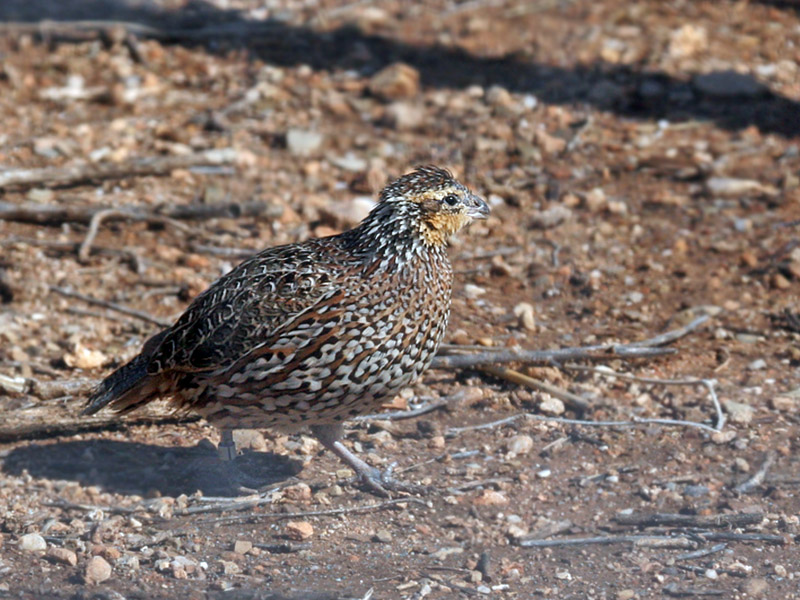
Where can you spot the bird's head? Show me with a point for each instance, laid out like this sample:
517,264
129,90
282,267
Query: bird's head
438,203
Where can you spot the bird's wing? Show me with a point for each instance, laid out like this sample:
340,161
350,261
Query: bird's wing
245,308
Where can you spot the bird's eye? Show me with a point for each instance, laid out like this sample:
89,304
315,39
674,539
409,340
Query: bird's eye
451,199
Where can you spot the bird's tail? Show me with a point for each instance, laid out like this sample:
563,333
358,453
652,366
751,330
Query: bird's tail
126,388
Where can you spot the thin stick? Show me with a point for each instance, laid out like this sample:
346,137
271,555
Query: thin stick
41,431
679,520
758,477
701,553
671,336
55,214
75,174
709,384
468,361
642,349
45,390
132,312
776,540
673,589
85,249
399,415
572,400
315,513
643,541
636,422
118,510
232,505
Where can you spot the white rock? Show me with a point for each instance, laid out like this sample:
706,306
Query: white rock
525,313
300,142
85,358
738,412
551,406
520,444
728,187
473,291
404,115
687,41
32,542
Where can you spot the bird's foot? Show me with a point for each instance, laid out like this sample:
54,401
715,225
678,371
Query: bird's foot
382,483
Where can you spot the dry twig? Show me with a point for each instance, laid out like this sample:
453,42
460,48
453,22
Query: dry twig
572,400
757,479
41,431
643,349
45,390
76,174
111,306
709,384
314,513
642,541
679,520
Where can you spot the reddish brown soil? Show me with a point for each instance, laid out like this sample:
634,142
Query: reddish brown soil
632,193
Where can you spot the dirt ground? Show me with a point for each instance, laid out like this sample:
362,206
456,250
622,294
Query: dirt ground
643,166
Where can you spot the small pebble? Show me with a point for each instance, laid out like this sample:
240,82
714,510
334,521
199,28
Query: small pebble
723,437
544,473
32,542
520,444
382,535
299,492
738,412
242,546
696,491
756,587
298,530
63,556
757,365
229,567
490,498
394,82
783,404
551,406
473,291
300,142
524,312
626,594
97,570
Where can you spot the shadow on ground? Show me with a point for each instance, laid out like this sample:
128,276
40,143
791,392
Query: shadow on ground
622,89
146,470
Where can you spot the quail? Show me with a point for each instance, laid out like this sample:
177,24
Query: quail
313,333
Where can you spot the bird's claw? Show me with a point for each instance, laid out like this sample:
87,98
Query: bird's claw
382,482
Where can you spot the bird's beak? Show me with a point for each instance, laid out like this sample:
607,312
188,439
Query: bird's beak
477,207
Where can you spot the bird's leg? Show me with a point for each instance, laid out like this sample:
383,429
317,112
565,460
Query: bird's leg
226,453
377,481
226,449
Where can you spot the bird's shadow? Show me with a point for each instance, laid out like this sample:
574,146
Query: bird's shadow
147,470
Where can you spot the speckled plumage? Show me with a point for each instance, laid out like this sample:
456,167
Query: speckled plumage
315,332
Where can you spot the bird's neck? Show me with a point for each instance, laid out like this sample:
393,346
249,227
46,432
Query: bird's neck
390,229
